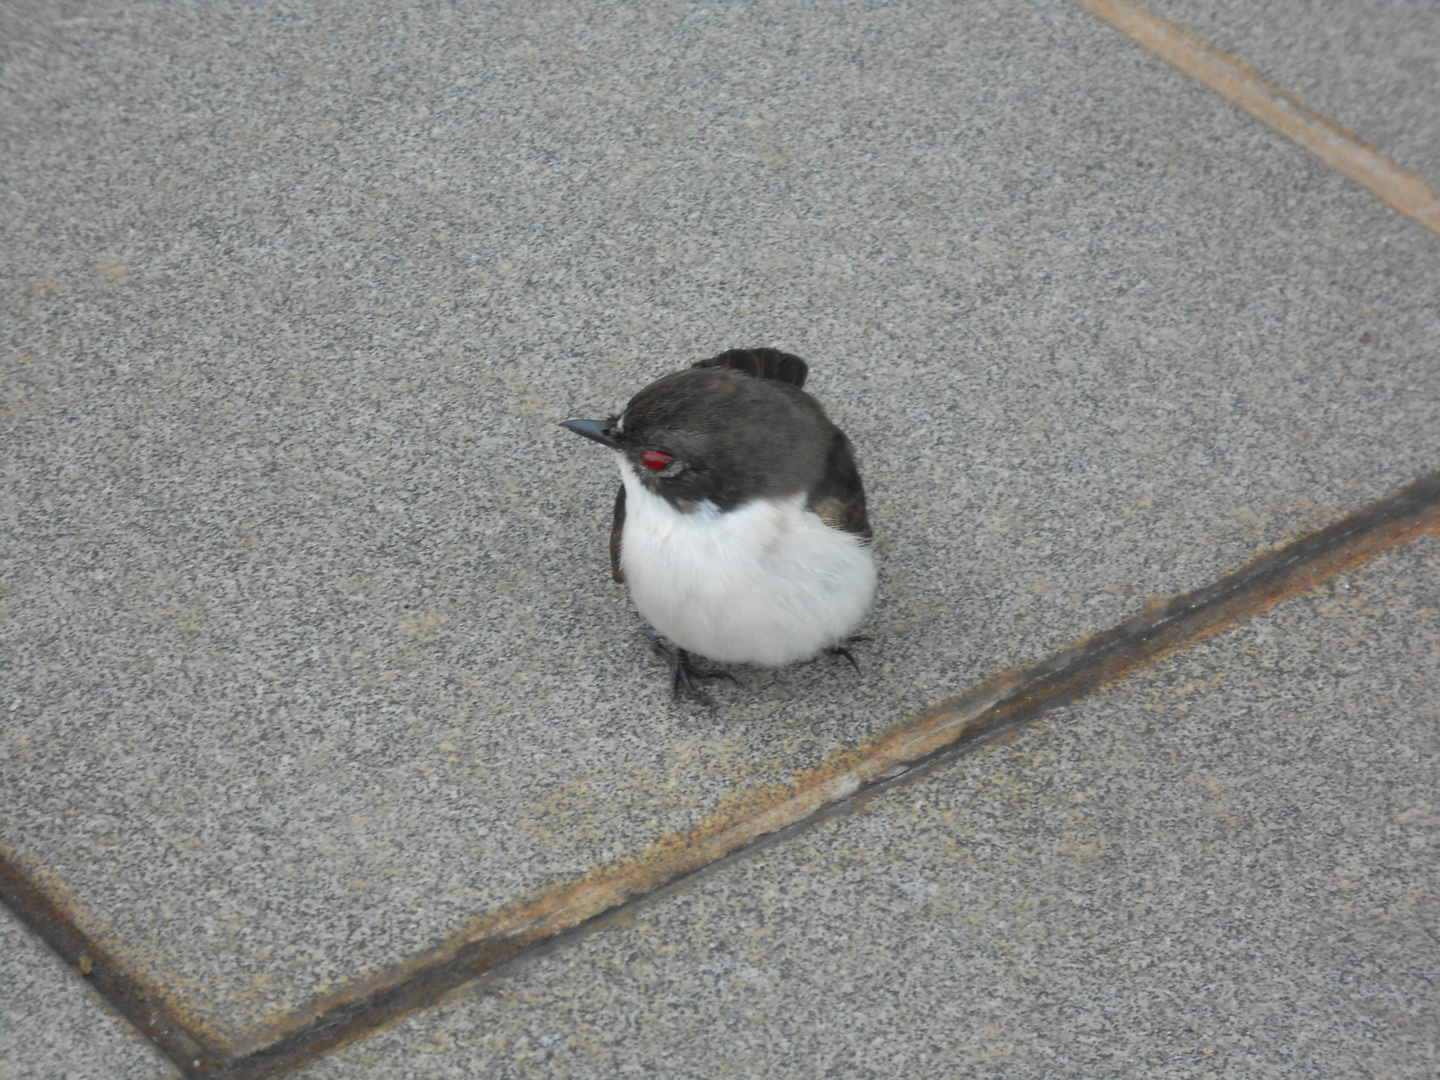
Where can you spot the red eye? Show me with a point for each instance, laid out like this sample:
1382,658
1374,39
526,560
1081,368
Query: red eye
655,459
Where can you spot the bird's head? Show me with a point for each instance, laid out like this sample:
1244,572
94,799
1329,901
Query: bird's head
716,434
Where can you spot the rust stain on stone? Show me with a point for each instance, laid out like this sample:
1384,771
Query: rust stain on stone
1244,87
41,903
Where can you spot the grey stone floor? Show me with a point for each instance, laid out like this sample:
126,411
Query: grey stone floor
312,659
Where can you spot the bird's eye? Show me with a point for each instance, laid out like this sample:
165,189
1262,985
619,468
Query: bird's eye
655,460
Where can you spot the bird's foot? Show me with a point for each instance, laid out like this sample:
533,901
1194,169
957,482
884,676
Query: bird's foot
844,650
683,672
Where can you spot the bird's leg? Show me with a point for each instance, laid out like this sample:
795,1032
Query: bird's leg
682,671
843,650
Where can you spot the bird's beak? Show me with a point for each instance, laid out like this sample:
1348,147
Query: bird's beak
599,430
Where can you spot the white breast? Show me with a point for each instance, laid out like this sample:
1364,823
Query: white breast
767,583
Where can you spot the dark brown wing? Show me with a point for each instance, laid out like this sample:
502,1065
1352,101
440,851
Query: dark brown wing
839,498
617,527
762,364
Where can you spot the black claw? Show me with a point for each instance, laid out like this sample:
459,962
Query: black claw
682,671
842,650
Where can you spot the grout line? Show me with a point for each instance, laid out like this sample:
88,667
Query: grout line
1236,81
953,727
144,1009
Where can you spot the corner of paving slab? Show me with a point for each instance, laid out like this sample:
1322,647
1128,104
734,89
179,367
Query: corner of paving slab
54,1027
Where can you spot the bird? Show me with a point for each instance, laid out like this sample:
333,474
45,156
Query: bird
740,524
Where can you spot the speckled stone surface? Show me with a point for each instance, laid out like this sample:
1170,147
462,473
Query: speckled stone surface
314,657
1223,867
1372,66
53,1027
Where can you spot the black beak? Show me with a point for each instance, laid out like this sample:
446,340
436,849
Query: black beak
599,430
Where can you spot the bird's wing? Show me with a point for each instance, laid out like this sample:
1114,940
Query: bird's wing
617,528
839,498
762,364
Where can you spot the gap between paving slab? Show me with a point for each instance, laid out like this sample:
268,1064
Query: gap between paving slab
124,993
1243,86
53,1025
1372,66
946,729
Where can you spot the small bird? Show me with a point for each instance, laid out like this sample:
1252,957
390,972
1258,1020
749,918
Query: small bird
740,522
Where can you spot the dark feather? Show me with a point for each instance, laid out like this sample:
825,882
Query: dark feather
762,364
617,527
839,497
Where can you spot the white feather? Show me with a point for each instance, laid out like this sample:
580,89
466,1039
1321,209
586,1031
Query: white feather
767,583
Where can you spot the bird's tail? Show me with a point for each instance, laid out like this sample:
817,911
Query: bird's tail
762,364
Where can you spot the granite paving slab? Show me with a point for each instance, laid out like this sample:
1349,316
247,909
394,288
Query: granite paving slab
1372,66
315,661
1223,867
53,1027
